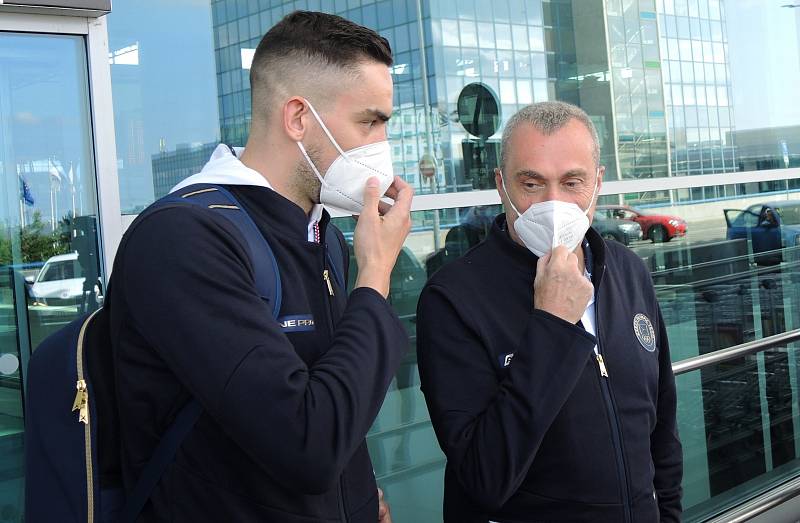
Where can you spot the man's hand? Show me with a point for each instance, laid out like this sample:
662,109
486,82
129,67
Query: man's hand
380,233
560,288
383,509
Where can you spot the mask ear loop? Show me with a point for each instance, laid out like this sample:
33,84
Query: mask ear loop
313,167
503,183
330,137
324,128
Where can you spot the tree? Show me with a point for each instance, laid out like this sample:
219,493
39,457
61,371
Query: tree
36,243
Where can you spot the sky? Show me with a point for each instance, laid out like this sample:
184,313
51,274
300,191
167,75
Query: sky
764,54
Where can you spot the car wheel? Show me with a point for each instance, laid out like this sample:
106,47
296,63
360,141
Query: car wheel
658,234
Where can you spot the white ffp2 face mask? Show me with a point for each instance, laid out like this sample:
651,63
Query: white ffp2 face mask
344,182
546,225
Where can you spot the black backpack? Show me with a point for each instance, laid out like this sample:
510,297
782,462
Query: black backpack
72,455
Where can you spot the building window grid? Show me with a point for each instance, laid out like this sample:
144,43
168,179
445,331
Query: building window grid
635,106
479,67
708,53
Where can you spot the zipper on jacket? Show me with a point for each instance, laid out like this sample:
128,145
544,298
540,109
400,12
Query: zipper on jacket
601,364
81,404
326,276
616,431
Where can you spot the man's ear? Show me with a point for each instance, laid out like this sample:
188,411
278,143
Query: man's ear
498,181
295,118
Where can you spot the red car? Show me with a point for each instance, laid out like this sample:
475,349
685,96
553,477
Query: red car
655,227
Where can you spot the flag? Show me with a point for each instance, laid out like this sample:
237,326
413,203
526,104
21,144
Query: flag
26,194
55,176
71,175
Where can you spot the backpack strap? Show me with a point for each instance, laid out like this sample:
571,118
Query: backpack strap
265,266
268,284
162,457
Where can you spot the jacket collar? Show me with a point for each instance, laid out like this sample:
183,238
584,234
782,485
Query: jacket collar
225,168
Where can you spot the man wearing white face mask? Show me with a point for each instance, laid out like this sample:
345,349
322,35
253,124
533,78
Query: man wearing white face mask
290,384
542,352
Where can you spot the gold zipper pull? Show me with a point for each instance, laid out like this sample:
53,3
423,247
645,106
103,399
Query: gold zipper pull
327,278
602,364
79,396
81,402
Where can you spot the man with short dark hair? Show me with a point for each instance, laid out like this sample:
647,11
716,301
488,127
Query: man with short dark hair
542,352
286,402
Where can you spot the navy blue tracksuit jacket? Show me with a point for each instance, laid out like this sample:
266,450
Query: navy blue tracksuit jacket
531,429
286,403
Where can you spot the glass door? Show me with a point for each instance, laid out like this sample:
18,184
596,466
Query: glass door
50,271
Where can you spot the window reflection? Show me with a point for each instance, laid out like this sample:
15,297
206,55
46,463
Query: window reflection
49,268
684,73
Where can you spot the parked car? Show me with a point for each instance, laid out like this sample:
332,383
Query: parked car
770,226
623,231
59,282
655,227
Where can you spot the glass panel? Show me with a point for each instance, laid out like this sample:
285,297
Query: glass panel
739,425
754,139
49,269
726,272
162,137
725,263
165,91
405,454
170,111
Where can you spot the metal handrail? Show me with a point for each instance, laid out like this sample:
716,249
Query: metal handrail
660,288
723,261
737,351
762,504
779,494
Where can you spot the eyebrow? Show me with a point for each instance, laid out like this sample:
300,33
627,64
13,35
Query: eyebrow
526,173
572,173
374,113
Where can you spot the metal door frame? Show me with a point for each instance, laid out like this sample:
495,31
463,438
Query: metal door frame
101,111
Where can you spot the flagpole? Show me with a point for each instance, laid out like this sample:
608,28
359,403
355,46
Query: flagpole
50,169
55,216
72,188
21,200
52,209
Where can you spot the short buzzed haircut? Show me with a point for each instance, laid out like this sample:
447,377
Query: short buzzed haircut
295,56
547,118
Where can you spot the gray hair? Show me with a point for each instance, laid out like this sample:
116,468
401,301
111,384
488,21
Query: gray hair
547,118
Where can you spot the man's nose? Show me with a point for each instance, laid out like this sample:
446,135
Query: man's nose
553,192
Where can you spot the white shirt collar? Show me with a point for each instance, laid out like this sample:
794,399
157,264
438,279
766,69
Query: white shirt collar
225,168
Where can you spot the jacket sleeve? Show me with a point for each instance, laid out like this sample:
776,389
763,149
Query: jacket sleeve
490,430
664,442
189,287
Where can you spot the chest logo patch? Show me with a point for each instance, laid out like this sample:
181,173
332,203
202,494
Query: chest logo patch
297,323
505,359
645,333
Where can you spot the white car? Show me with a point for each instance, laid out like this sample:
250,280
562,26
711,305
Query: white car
59,281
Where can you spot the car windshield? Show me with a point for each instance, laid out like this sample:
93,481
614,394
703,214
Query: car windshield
60,270
789,215
746,218
640,211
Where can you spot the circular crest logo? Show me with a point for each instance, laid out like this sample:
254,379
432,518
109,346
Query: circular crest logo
645,333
